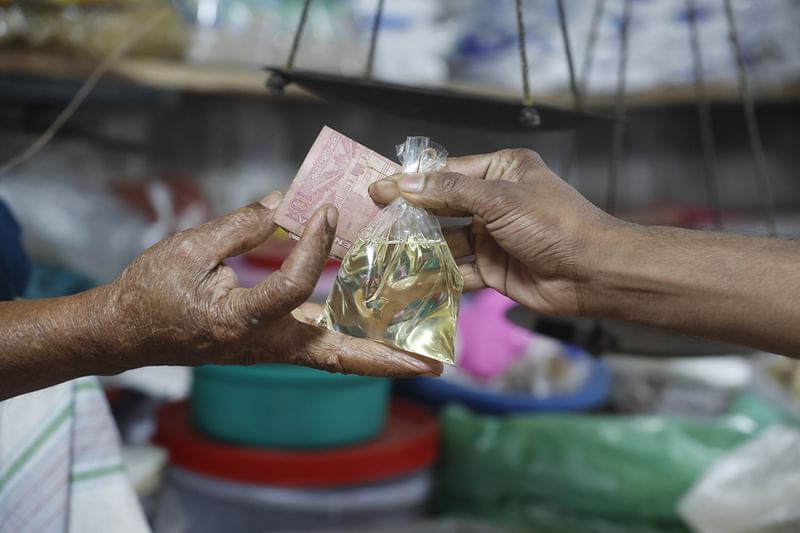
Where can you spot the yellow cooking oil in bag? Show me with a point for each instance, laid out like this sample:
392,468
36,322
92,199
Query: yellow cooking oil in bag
399,284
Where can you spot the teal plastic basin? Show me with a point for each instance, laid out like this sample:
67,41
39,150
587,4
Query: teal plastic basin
285,406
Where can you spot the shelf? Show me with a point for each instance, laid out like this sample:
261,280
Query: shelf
173,75
163,74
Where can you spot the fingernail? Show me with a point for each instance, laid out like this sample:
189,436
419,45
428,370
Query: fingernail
332,215
272,200
383,188
426,368
411,182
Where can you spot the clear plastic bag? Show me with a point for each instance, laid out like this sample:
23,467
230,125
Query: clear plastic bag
399,283
753,488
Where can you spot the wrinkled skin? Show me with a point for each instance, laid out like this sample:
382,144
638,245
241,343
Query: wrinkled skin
531,251
178,303
181,299
537,240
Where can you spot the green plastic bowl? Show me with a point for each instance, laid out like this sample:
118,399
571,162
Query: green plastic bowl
285,406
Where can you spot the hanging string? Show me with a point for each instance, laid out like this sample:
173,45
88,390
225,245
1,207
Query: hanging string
591,45
583,85
756,147
617,146
529,114
523,57
573,85
704,116
297,35
373,40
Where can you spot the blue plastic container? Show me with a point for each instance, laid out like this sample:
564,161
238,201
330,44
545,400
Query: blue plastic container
437,392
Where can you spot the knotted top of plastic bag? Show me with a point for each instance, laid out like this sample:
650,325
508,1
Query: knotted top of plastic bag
401,220
420,154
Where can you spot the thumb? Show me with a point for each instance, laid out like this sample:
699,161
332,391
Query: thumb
453,194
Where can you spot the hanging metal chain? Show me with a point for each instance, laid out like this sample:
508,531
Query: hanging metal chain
618,141
562,20
529,114
373,40
591,45
756,147
523,56
297,35
711,168
583,85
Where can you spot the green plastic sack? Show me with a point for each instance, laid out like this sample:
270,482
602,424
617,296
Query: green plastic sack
554,473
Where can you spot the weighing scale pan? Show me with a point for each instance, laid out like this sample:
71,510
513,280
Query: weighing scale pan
437,105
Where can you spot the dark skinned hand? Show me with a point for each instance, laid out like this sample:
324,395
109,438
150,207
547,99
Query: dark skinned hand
528,234
179,303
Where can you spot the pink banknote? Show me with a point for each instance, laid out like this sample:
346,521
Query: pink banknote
338,171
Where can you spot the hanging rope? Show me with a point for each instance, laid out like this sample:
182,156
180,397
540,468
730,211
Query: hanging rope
523,57
591,45
573,85
583,85
373,40
297,35
617,146
756,147
704,117
529,114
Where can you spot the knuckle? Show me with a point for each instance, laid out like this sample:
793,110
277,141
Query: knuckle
449,182
184,244
336,359
296,290
514,164
222,334
497,202
238,220
180,244
527,156
332,362
174,239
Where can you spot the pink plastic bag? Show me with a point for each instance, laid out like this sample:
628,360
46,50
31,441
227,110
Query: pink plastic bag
489,342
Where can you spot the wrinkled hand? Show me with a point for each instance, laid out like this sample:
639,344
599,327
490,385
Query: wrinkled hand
532,236
178,303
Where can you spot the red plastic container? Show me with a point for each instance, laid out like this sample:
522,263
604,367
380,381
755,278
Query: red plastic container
408,444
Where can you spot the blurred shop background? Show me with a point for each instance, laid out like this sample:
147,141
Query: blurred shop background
545,426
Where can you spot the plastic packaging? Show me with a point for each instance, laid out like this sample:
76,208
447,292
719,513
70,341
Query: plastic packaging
399,283
754,488
93,27
676,386
408,444
214,486
487,49
86,230
259,32
430,525
211,505
777,378
285,406
439,392
578,473
414,41
489,342
73,218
